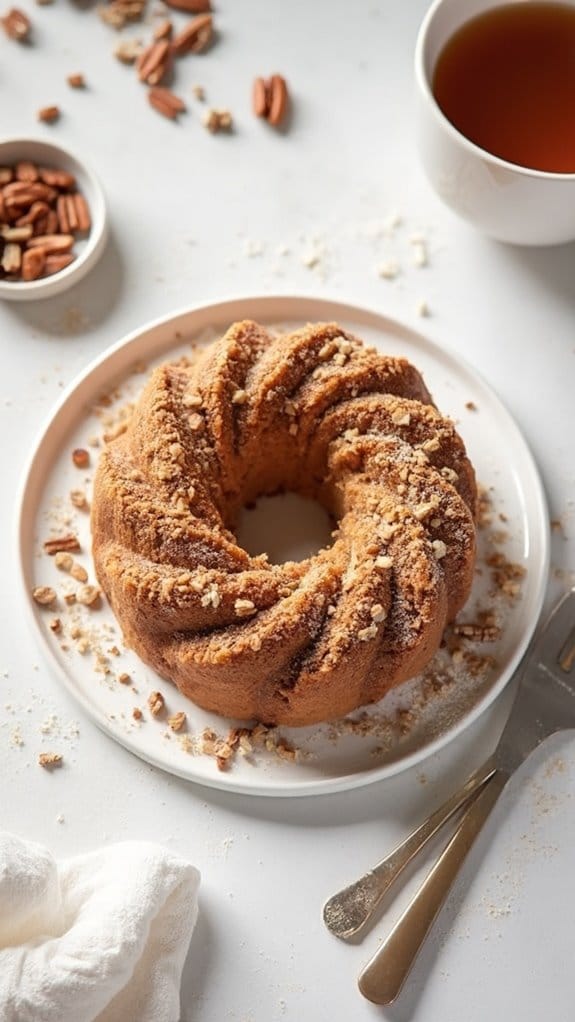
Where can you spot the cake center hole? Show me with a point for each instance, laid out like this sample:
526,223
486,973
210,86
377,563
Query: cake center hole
286,527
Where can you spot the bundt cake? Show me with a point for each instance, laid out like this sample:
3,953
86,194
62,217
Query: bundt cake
318,413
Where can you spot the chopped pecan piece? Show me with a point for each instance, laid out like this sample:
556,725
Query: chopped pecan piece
49,760
16,24
61,543
156,703
49,114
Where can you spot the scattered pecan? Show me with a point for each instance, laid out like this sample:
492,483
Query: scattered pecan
49,760
16,24
156,703
45,596
49,114
60,544
217,120
195,37
190,6
79,572
118,12
79,499
153,63
128,51
76,81
270,99
81,457
88,596
177,721
63,560
166,102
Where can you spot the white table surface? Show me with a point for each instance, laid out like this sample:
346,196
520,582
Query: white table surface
196,217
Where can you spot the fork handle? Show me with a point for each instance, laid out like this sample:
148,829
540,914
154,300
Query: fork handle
384,976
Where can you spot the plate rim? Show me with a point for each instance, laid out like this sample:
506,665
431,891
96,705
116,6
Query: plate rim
338,309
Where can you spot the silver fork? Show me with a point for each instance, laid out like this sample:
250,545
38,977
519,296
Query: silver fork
544,704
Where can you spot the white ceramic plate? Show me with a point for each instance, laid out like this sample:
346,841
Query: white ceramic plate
384,739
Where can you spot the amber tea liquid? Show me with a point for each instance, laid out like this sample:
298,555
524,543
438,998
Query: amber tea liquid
506,80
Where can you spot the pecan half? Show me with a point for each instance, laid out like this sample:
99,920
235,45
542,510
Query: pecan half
57,178
166,102
59,543
195,37
54,263
82,212
190,6
270,99
62,213
51,226
153,63
37,209
19,234
26,171
24,191
52,242
117,12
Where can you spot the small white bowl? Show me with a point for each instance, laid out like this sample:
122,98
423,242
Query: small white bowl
506,201
88,250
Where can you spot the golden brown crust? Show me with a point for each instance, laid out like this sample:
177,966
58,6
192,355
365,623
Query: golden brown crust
317,412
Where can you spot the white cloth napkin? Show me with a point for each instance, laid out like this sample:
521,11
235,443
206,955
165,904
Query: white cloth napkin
102,936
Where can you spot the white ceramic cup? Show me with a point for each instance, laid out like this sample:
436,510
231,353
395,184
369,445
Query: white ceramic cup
501,199
87,250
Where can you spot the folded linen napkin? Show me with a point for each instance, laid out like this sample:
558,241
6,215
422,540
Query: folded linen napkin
101,936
